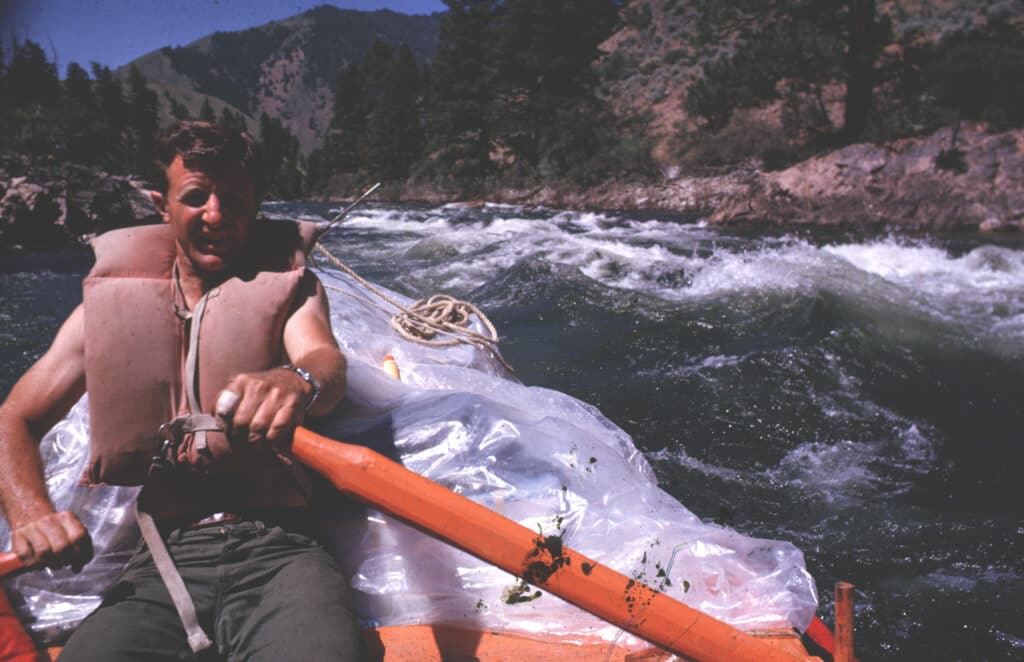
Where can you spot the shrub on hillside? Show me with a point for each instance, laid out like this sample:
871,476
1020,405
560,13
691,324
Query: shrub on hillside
743,140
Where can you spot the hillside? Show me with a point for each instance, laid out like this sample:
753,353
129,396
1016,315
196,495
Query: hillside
663,48
669,104
283,68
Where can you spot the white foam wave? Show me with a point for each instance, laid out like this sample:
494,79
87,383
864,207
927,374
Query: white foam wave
684,459
934,270
467,246
853,471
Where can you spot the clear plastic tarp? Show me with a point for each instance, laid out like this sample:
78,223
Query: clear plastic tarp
537,456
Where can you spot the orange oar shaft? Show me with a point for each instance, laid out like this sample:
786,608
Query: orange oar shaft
540,560
9,563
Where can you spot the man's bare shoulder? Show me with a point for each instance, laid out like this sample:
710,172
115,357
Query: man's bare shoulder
46,392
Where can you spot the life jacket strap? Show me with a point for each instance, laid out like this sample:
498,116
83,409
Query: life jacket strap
198,640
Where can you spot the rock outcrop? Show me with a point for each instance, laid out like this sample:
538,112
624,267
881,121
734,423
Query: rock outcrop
973,180
60,204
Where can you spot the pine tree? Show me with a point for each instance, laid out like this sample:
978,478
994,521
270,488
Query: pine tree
110,94
179,111
142,122
3,70
345,147
395,138
281,159
232,120
79,116
77,86
544,73
464,84
109,149
31,78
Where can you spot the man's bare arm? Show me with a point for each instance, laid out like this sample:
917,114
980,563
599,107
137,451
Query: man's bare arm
270,404
38,400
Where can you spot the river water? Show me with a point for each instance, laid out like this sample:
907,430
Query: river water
858,396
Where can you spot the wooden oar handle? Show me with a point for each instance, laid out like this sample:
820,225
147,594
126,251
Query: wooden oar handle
540,560
10,563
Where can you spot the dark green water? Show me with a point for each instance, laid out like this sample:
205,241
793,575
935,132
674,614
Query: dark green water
858,396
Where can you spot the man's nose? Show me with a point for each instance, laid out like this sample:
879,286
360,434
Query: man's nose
211,212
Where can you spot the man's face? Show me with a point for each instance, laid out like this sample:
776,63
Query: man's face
211,210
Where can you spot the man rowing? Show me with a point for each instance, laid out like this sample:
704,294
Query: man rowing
202,343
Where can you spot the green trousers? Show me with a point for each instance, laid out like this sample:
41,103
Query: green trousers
262,592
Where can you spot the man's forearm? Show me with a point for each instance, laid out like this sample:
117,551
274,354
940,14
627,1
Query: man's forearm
327,366
23,495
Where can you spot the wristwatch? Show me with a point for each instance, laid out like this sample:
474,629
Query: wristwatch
314,384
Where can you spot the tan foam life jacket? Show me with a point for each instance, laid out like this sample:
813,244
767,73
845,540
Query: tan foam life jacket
136,344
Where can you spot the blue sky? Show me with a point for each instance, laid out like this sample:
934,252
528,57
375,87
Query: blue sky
115,32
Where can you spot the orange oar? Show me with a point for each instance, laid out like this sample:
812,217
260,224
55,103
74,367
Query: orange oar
540,560
15,644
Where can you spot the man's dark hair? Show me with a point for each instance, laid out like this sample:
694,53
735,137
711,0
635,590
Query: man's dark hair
209,143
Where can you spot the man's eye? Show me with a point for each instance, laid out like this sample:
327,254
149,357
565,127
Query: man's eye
195,198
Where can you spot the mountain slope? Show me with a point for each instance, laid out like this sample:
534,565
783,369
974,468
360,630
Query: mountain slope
286,68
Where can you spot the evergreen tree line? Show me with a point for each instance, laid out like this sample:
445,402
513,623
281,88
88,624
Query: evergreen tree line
94,120
100,121
509,100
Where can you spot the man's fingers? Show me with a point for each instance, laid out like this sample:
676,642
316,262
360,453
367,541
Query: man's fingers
32,546
56,540
59,545
284,422
259,407
262,421
22,546
79,551
227,403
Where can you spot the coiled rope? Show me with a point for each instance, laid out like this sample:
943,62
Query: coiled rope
440,321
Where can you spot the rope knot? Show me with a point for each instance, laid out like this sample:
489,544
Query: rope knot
424,320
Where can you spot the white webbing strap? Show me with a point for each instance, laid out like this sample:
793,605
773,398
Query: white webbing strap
197,638
191,363
197,424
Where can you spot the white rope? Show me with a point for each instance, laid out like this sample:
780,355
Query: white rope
424,321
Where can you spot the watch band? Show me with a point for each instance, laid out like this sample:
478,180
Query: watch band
308,378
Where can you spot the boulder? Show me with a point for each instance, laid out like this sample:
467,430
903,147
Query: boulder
969,179
29,214
97,202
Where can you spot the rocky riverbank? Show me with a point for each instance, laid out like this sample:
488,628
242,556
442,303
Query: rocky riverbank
971,181
965,180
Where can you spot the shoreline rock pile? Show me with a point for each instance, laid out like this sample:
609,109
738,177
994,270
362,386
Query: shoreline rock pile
58,204
966,179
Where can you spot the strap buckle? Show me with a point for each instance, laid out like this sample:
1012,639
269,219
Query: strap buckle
172,434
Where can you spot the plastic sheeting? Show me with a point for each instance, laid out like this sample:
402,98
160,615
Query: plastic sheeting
537,456
52,602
